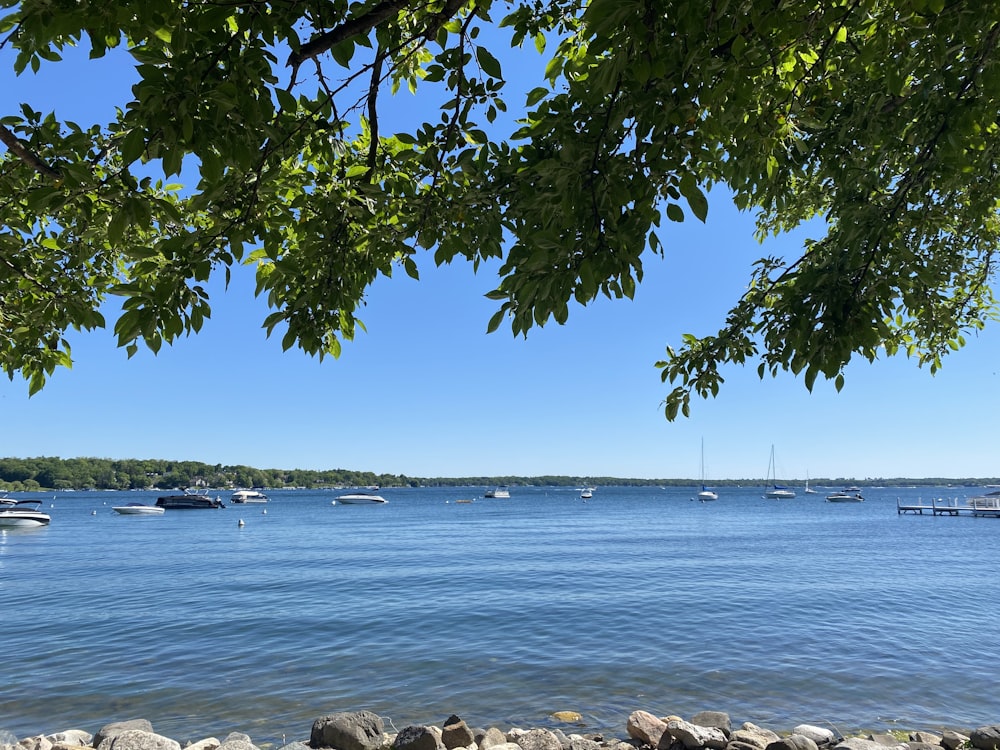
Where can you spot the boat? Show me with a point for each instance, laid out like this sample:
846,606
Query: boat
809,490
587,492
706,495
498,492
190,500
845,496
776,491
137,509
248,496
22,513
359,498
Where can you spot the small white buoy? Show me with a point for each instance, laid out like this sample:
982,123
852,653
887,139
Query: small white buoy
241,524
264,512
93,512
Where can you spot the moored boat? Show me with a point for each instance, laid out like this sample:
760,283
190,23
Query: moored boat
240,497
137,509
845,496
776,491
189,501
22,513
359,498
706,495
498,492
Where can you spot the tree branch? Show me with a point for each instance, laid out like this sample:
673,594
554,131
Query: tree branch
23,153
361,25
349,28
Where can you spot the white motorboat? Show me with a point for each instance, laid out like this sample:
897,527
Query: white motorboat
137,509
845,496
587,492
776,491
248,496
22,513
359,498
498,492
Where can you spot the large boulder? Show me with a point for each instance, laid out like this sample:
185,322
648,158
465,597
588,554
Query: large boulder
793,742
72,737
643,726
117,727
952,740
857,743
694,736
714,719
360,730
819,735
538,739
238,741
576,742
137,739
491,738
986,738
456,733
417,738
753,736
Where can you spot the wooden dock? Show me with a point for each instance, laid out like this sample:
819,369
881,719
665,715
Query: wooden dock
984,506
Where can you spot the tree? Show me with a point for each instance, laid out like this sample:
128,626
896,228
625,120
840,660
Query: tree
878,117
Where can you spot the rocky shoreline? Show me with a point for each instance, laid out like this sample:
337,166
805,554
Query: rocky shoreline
364,730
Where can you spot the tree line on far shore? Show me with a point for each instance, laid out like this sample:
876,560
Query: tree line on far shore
53,473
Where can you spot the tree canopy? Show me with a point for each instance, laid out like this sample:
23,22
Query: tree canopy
878,118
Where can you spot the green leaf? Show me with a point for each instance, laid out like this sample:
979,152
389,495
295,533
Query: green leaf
489,64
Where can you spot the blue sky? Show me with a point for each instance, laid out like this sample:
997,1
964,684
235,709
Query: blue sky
426,392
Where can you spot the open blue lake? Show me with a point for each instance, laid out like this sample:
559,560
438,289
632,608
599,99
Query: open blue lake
500,611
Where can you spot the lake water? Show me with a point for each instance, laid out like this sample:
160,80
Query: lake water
500,611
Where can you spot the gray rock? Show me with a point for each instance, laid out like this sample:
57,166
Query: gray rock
952,740
645,727
857,743
456,733
538,739
694,736
886,740
714,719
819,735
117,727
561,737
238,741
72,737
290,746
576,742
361,730
416,738
753,735
986,738
793,742
208,743
38,742
137,739
492,737
923,746
928,738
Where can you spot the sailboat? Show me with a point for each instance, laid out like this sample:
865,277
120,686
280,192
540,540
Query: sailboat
706,495
809,490
776,491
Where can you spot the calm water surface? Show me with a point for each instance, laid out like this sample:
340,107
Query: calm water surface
502,611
